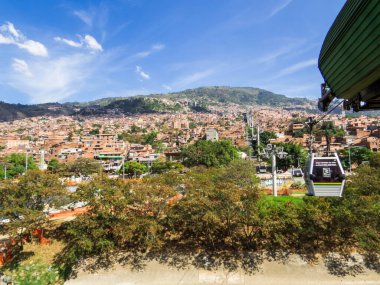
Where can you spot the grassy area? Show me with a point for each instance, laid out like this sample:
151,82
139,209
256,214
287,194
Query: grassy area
33,254
42,253
281,199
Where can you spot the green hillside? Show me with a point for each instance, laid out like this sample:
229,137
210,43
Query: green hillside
237,95
154,103
9,112
134,105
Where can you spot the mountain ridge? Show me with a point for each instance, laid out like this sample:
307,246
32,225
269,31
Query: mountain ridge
164,102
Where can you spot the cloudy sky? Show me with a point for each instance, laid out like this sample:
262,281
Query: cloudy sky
59,51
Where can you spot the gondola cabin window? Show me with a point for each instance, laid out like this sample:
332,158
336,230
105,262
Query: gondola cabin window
326,171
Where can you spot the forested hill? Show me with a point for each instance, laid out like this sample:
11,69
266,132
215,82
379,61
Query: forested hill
157,103
9,112
237,95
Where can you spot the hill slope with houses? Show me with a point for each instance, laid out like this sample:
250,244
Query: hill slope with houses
188,100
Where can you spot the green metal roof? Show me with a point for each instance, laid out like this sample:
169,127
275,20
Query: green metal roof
350,56
110,156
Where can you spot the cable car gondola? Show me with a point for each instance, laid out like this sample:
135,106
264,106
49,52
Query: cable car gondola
324,175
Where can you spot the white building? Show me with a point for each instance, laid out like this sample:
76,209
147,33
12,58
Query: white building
212,135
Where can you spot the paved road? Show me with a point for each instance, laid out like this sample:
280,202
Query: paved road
295,272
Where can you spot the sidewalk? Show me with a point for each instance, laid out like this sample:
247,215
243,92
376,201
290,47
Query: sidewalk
296,272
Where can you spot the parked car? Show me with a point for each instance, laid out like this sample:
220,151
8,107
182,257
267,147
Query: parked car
297,172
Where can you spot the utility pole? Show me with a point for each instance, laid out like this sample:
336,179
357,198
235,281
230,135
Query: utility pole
26,160
349,156
258,142
274,151
349,143
258,134
123,165
274,174
311,123
251,125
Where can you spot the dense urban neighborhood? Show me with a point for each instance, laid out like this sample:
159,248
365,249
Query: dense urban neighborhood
145,138
189,142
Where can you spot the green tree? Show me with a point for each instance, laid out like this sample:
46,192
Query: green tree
70,136
53,165
135,129
16,165
375,160
160,166
266,136
358,155
329,130
133,168
123,216
131,137
299,133
94,132
209,153
296,155
192,125
81,167
23,203
211,213
150,138
362,202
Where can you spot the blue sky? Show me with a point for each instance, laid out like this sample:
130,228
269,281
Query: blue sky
59,51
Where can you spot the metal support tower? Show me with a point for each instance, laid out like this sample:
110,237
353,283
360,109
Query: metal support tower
274,152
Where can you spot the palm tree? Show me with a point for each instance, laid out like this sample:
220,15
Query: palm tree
328,130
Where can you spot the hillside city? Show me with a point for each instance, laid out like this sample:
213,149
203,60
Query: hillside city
189,142
112,140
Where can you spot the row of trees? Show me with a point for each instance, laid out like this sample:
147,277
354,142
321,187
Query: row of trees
220,211
79,167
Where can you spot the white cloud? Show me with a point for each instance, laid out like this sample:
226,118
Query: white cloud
154,48
193,78
13,31
297,67
91,43
142,73
5,40
158,47
287,47
68,42
22,67
33,47
280,7
84,17
10,35
142,54
58,78
88,41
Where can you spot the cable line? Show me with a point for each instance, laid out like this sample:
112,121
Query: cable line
316,121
